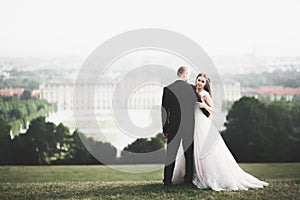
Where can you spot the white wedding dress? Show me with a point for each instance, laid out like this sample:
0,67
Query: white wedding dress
214,166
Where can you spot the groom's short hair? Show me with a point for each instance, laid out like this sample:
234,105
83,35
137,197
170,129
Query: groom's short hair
181,70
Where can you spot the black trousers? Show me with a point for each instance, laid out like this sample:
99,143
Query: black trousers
172,149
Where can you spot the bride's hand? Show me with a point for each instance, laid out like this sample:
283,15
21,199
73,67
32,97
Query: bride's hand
200,104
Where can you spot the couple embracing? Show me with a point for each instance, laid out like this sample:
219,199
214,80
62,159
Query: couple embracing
196,152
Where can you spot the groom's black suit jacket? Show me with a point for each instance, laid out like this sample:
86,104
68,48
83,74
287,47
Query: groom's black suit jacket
178,104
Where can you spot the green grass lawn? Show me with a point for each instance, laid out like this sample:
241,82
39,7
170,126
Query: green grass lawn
101,182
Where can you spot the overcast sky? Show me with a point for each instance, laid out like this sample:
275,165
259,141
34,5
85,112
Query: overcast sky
50,28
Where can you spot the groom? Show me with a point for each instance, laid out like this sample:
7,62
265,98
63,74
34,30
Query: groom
178,103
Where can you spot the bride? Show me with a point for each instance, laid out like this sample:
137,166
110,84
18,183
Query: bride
214,165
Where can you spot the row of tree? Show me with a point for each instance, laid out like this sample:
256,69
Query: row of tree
287,78
26,83
256,131
20,110
31,79
45,143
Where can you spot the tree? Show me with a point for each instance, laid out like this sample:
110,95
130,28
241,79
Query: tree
77,152
26,95
5,142
276,130
244,128
61,139
41,135
296,98
144,151
31,107
294,152
144,145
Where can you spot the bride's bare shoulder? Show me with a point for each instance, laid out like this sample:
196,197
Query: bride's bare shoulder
204,93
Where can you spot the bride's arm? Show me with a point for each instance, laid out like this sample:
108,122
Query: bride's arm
208,100
207,104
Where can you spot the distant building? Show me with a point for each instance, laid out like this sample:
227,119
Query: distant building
63,95
142,98
59,93
35,93
17,91
249,92
278,92
274,93
11,91
232,90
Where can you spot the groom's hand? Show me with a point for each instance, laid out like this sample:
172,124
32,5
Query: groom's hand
165,135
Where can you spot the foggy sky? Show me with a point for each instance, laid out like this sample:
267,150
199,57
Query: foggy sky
50,28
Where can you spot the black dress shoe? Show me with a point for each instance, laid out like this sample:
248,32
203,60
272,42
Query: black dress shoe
188,183
167,184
